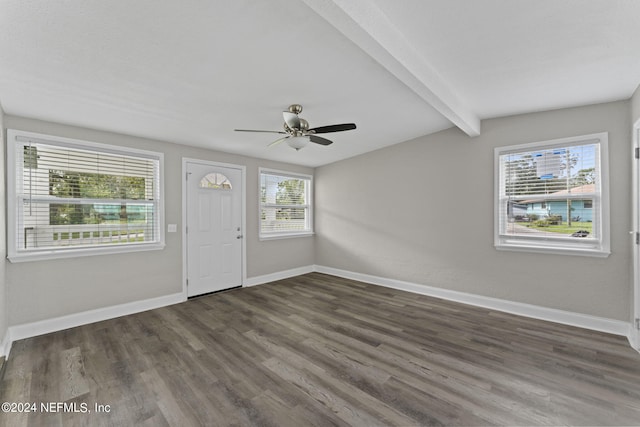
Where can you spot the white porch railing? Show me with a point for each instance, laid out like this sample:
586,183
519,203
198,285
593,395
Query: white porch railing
84,234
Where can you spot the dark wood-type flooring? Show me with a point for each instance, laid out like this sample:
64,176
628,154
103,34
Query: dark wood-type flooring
320,350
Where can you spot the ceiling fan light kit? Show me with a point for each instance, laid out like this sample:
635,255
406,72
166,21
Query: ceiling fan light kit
298,142
297,131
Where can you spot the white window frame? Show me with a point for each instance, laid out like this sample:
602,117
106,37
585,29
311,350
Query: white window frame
309,206
599,247
17,137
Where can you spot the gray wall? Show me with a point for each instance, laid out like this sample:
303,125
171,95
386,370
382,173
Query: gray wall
422,212
47,289
4,318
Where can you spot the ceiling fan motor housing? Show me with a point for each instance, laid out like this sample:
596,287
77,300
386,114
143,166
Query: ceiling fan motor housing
295,108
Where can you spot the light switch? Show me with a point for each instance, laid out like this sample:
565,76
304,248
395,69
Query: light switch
172,228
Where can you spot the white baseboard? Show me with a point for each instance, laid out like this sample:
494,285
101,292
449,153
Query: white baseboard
27,330
616,327
280,275
5,346
32,329
633,338
611,326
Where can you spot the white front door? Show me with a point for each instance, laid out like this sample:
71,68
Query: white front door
213,228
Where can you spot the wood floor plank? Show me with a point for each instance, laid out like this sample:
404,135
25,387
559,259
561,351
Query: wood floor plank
323,351
73,383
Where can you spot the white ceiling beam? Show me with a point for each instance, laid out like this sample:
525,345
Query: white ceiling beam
370,29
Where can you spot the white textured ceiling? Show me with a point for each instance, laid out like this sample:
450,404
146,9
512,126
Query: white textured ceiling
191,71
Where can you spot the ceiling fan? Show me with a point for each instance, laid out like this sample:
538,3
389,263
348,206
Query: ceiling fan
297,132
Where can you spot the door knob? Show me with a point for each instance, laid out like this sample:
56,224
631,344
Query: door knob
239,236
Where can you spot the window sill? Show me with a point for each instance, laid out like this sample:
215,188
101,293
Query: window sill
81,252
279,236
553,250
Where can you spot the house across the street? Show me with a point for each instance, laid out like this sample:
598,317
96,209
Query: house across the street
552,205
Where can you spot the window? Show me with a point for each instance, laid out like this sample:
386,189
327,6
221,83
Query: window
215,181
285,204
68,198
552,196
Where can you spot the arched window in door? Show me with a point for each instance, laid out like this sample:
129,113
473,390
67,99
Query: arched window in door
215,181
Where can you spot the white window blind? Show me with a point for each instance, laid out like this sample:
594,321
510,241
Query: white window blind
552,196
73,196
285,204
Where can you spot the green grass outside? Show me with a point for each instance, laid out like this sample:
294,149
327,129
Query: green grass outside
563,228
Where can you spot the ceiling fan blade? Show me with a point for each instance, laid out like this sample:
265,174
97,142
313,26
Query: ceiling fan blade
320,140
333,128
292,120
278,141
266,131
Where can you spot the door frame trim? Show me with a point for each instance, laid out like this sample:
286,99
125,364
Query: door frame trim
243,197
634,333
